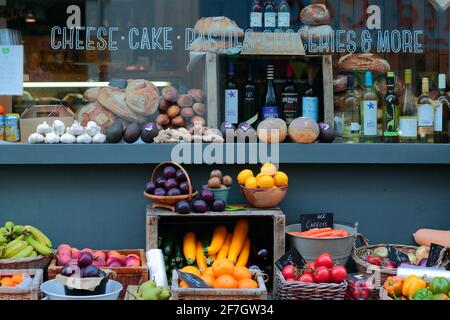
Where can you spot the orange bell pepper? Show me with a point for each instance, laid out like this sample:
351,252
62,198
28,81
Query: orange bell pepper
411,284
393,286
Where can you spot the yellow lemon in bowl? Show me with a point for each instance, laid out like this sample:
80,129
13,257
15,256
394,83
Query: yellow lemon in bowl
268,169
243,175
281,179
251,182
266,182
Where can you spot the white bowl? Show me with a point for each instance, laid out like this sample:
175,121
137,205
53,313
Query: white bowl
55,291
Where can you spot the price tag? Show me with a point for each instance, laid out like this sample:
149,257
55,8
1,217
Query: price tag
192,280
435,252
291,257
316,220
397,257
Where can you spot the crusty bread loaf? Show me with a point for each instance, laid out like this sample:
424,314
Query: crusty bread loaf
142,97
380,86
340,83
316,33
91,94
113,99
95,112
217,26
315,14
363,62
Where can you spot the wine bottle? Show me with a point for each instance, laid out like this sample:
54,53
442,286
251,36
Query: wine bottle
390,112
284,15
249,98
425,114
256,16
231,98
310,101
369,110
270,108
442,113
408,118
289,98
351,116
270,15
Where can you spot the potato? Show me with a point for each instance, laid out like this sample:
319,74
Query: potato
197,94
216,173
178,121
170,94
187,112
162,120
173,111
199,108
214,183
227,181
185,101
163,105
198,120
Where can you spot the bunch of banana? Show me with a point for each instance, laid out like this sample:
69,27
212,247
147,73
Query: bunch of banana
18,241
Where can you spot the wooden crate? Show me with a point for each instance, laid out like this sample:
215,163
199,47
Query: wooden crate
125,275
178,293
155,217
30,293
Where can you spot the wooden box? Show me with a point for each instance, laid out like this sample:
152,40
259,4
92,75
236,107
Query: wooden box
125,275
31,293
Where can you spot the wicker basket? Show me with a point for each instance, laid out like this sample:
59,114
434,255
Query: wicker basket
125,275
384,295
30,293
308,291
168,202
38,262
218,294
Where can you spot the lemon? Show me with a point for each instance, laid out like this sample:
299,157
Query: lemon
266,182
243,175
268,169
251,182
281,179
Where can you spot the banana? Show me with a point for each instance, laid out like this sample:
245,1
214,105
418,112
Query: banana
17,230
38,235
39,246
26,252
12,243
9,226
2,249
15,249
3,239
33,254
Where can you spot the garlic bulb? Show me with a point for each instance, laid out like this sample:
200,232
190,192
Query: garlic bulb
92,128
35,138
84,138
51,138
99,138
68,138
76,129
58,127
43,128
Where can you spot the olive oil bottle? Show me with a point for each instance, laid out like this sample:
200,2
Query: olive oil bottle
390,112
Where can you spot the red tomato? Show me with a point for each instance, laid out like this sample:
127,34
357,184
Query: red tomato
309,268
338,274
322,275
306,278
324,260
290,271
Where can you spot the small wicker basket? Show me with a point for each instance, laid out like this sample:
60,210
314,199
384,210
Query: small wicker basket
38,262
30,293
308,291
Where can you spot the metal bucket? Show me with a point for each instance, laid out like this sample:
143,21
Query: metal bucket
310,248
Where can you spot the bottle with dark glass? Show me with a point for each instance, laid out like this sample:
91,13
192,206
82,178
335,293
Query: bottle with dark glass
310,101
270,108
256,16
270,15
351,114
391,112
231,98
284,15
249,98
442,114
289,98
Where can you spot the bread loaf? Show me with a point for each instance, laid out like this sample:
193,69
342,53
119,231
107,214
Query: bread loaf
380,86
315,14
316,33
340,83
113,99
91,94
363,62
95,112
142,97
217,26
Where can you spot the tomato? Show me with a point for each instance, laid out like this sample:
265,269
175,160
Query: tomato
338,274
324,260
322,275
306,278
290,271
309,268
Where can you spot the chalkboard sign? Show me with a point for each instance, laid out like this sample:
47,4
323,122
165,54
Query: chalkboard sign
396,256
192,280
316,220
291,257
435,252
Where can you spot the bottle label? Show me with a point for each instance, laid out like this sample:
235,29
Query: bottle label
355,127
270,20
2,127
425,115
284,19
370,108
231,106
256,20
290,106
310,108
438,118
408,127
269,112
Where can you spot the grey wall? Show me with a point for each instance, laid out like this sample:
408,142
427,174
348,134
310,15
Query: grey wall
102,206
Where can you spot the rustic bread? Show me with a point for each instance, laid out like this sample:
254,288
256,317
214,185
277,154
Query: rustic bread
217,26
380,86
315,14
363,62
340,83
142,97
316,33
91,94
95,112
113,99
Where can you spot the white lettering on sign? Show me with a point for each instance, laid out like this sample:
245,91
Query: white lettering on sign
374,20
74,20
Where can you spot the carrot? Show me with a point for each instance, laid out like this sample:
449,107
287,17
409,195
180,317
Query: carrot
338,233
315,231
323,234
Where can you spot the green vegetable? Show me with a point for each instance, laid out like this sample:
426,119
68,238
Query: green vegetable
167,244
381,252
439,285
422,294
440,296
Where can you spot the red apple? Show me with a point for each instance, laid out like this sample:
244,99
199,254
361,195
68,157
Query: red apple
99,255
132,261
114,262
99,263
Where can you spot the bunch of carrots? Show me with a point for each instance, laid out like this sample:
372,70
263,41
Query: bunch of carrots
321,233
